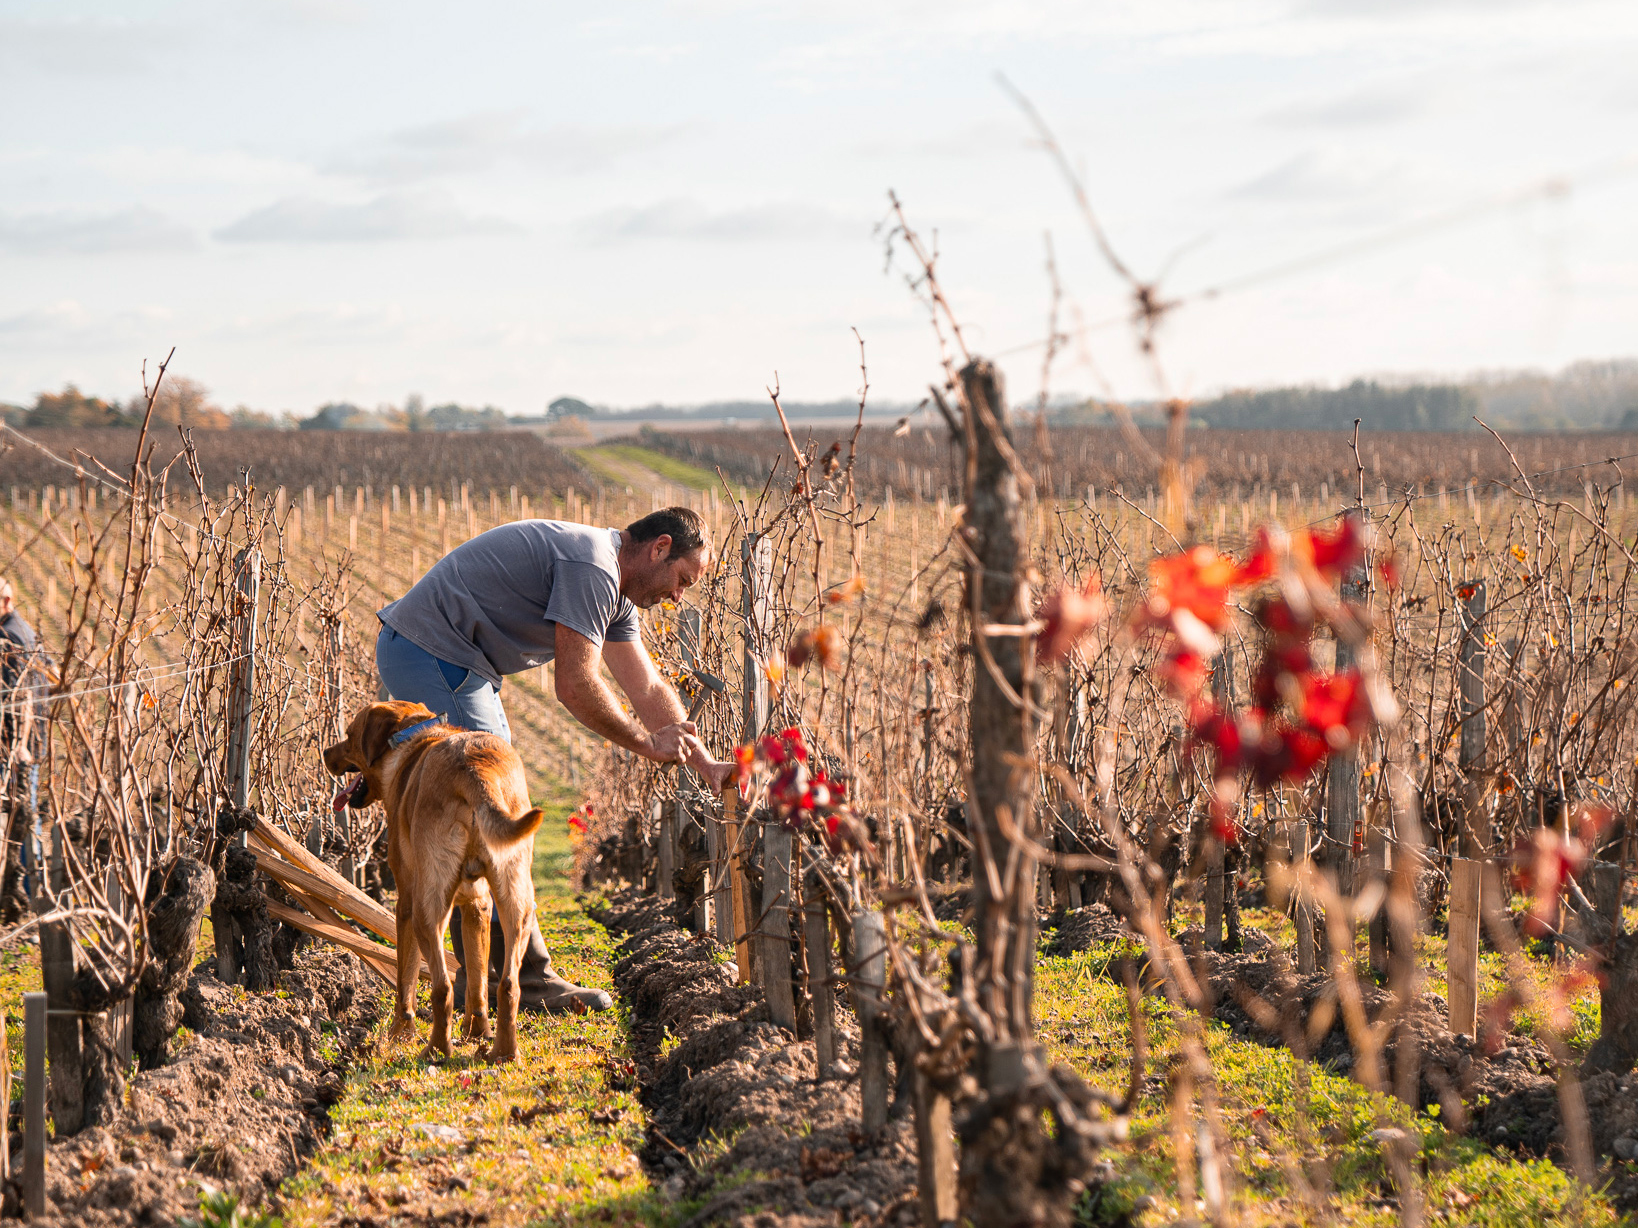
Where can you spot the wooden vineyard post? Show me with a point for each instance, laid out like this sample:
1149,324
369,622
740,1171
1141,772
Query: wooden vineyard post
34,1104
1606,879
870,978
1462,945
241,692
1462,950
1376,854
756,569
120,1014
816,935
774,930
61,1028
667,852
935,1156
1474,842
737,913
927,732
1305,908
1214,893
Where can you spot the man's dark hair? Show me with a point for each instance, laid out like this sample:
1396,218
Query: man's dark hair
684,526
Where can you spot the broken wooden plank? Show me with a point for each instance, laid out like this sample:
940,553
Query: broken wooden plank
379,959
340,894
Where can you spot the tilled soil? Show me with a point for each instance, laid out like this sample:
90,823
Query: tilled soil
239,1107
711,1066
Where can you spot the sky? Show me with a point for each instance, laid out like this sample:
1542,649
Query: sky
681,202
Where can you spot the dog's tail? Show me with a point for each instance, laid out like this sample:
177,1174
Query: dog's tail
503,830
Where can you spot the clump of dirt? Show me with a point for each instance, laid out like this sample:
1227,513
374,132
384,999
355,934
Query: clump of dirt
238,1107
1081,929
711,1065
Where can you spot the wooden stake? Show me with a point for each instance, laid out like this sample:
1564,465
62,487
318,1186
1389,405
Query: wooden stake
870,978
935,1156
1376,860
62,1027
34,1104
739,920
1462,946
1471,654
1305,908
774,932
241,703
816,922
667,852
1214,893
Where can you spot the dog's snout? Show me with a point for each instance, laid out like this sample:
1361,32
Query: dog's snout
335,759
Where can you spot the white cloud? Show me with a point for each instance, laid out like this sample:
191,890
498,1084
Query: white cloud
336,324
480,142
138,229
393,216
69,324
1318,176
688,219
84,48
1357,108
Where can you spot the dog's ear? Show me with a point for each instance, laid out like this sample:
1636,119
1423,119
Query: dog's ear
373,731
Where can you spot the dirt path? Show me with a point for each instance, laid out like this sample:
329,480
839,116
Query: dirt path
553,1136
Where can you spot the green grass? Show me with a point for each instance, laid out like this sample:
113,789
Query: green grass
564,1166
19,974
1290,1124
679,473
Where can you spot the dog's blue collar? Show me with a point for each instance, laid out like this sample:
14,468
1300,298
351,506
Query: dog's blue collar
404,735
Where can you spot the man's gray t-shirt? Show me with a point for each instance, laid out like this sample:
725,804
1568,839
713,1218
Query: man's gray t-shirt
493,604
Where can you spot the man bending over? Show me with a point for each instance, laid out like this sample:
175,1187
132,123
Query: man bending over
535,591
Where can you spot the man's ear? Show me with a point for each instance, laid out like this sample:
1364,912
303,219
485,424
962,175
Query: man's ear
660,548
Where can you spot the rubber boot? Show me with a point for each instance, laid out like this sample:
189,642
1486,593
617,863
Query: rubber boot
540,988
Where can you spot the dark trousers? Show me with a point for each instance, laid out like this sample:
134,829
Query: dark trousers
532,976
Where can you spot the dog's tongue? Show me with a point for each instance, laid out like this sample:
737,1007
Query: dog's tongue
339,802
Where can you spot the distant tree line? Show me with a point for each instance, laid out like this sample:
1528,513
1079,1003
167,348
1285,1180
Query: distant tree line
186,402
1589,396
1415,407
414,416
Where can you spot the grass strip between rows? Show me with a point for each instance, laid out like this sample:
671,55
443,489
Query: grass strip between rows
417,1141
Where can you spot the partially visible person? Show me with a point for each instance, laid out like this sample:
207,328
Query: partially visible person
20,705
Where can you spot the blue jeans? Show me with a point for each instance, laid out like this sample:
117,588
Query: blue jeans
460,696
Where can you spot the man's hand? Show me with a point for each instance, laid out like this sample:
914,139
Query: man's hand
675,743
716,773
680,743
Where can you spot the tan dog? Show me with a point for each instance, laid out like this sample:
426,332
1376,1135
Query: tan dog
460,830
